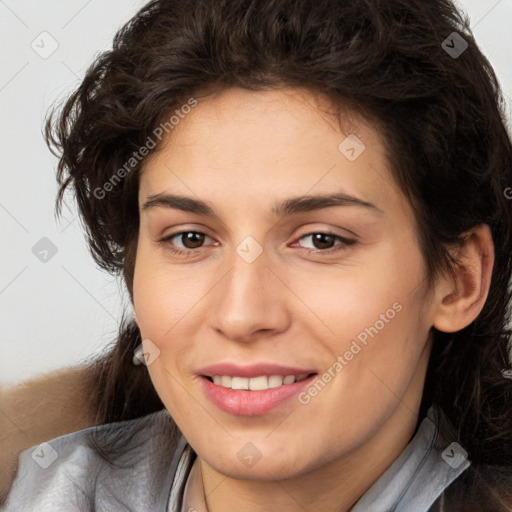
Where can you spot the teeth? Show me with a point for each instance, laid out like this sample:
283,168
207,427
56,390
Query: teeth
256,383
225,381
274,381
239,383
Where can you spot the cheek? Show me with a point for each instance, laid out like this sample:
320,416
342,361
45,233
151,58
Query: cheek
162,295
381,291
373,316
162,299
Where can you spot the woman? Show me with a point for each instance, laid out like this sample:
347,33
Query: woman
307,203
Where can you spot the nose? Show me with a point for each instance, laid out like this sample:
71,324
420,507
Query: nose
249,302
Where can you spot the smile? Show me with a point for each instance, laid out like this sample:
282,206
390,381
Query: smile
254,396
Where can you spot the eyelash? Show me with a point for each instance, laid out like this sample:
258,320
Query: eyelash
345,242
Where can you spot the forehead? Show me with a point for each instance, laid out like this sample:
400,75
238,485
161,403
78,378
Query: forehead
254,145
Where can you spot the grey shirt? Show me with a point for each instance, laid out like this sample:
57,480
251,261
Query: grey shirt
153,467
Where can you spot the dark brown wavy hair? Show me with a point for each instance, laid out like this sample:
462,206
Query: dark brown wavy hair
441,119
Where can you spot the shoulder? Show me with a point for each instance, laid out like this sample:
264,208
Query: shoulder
38,409
108,467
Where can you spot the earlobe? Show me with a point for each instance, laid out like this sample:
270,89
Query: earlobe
460,297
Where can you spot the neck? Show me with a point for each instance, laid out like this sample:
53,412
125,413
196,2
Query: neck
332,487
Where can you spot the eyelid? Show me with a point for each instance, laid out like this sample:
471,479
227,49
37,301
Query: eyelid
335,231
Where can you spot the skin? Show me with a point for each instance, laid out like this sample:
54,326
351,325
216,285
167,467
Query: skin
241,152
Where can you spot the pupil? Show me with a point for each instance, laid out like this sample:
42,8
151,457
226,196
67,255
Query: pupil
324,240
192,240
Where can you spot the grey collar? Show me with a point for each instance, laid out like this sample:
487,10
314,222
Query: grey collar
420,474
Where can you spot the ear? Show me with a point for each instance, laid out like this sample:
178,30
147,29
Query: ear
460,298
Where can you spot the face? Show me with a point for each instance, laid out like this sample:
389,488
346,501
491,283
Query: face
267,237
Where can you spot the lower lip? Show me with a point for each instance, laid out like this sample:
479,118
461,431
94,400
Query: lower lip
252,403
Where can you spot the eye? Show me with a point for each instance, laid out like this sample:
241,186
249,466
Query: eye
189,241
323,242
326,242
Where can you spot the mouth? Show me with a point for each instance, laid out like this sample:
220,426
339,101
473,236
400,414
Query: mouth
253,396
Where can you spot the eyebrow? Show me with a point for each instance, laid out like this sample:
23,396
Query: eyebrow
286,208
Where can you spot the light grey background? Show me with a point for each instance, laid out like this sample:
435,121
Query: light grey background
59,312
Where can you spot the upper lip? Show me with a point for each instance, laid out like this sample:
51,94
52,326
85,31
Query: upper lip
252,370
